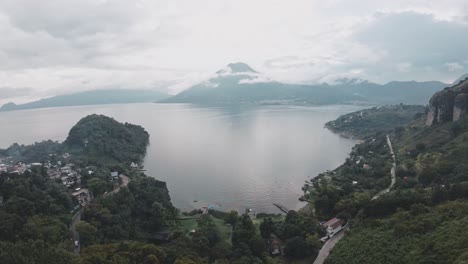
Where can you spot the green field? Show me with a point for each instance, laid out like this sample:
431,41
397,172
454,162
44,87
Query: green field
223,229
186,224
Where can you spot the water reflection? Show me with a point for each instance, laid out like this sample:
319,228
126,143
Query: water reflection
229,157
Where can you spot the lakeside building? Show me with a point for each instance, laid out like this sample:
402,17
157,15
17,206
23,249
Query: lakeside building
334,226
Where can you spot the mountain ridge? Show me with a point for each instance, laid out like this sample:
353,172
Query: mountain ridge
93,97
238,83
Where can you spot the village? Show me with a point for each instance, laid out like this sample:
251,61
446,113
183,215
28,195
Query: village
65,172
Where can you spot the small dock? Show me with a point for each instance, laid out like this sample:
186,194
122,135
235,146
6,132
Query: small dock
282,208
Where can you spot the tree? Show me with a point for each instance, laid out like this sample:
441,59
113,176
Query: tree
243,231
427,176
296,247
185,260
87,232
439,194
49,229
313,244
232,218
267,227
98,186
257,245
222,250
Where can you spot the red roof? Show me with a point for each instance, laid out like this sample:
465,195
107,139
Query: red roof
334,223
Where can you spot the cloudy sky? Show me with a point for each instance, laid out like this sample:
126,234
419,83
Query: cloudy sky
52,47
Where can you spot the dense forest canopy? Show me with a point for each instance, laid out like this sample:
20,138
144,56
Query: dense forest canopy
101,136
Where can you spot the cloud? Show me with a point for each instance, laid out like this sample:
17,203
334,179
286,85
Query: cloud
62,46
10,92
453,66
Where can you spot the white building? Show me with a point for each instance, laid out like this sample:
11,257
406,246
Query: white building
334,226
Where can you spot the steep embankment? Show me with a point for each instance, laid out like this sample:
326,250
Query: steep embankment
423,219
449,104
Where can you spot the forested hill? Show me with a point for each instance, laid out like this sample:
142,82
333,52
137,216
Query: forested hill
37,208
103,137
94,97
423,218
367,122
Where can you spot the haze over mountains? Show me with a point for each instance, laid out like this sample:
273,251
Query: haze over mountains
239,83
111,96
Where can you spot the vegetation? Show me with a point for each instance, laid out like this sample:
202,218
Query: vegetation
38,152
34,218
364,123
420,234
136,212
96,138
423,219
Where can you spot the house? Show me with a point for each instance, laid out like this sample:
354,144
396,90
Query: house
274,246
82,195
114,175
53,173
133,165
334,226
66,169
366,166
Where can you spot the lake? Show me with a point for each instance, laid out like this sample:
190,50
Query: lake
231,158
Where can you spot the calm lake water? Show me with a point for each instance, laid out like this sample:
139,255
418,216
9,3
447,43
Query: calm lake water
226,157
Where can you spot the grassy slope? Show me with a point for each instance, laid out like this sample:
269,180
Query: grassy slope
186,224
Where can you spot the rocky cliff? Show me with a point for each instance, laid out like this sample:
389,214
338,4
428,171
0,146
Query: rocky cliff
449,104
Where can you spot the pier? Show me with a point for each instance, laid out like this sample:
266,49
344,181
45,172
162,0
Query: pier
282,208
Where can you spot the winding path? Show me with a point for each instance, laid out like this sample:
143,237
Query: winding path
328,246
77,217
74,234
392,172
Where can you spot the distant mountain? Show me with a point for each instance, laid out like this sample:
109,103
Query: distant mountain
395,92
238,67
111,96
239,83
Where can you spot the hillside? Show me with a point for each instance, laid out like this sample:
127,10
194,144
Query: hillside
38,212
100,136
367,122
95,97
238,83
422,218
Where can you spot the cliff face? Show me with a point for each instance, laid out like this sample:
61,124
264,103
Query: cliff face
448,105
460,106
